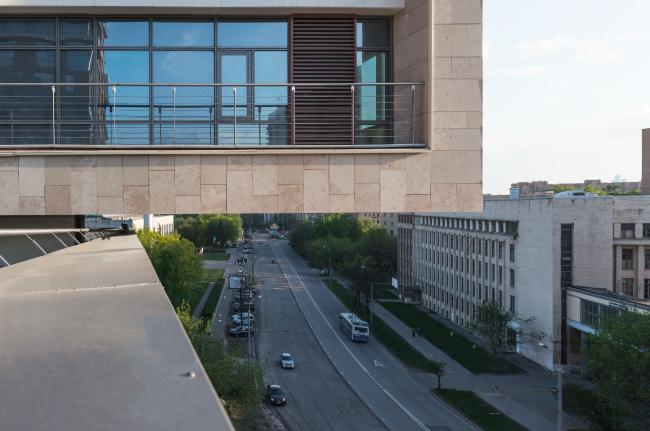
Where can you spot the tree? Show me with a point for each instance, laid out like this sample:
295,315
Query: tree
225,367
619,365
493,323
437,368
559,188
176,263
381,248
221,234
357,272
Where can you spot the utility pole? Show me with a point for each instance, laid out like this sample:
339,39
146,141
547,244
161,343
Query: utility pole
330,253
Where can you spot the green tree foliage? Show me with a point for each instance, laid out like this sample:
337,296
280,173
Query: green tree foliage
619,365
201,229
300,236
559,188
175,261
221,234
358,272
186,227
607,191
492,323
437,368
338,226
381,248
226,368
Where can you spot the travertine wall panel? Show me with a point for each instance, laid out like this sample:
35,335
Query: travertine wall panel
239,193
110,205
265,176
213,198
9,196
187,176
57,171
366,198
392,191
136,200
317,194
213,169
135,170
57,200
290,169
161,192
290,198
32,205
31,170
341,171
109,177
190,204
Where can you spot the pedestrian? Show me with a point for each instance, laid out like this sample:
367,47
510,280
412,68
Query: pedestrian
418,331
413,332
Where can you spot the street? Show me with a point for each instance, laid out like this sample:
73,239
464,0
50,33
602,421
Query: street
336,383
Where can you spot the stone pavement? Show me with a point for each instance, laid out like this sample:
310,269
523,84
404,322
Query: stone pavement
535,410
201,305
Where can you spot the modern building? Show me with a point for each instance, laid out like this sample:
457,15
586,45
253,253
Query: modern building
237,106
163,224
546,188
551,258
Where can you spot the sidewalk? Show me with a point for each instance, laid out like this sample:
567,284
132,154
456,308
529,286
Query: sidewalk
535,410
201,305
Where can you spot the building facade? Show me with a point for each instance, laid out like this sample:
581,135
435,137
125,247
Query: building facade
546,188
238,107
528,254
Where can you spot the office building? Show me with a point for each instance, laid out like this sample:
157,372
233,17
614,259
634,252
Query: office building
560,259
111,107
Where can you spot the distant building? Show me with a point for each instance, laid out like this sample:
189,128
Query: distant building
163,224
562,259
537,188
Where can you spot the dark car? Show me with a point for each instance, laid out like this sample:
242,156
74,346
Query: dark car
275,395
246,306
241,331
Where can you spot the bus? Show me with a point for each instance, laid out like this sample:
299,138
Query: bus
355,328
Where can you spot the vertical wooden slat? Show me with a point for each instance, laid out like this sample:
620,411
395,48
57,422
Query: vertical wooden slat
323,50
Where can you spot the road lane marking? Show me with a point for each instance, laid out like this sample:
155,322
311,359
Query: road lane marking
365,370
378,364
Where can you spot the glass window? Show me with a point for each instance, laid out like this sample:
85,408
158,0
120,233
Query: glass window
76,31
179,67
646,230
628,286
627,230
131,103
647,258
188,33
76,101
372,33
252,34
27,31
512,278
512,252
117,32
628,258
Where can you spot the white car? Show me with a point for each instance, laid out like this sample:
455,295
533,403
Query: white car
286,360
248,251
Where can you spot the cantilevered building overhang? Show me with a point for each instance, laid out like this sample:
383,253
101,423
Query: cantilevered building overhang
90,341
240,106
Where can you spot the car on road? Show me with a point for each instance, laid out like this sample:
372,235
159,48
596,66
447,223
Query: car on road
286,361
246,306
248,251
275,395
246,295
241,331
267,243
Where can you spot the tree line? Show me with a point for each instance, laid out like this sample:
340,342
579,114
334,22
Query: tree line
361,251
202,229
610,190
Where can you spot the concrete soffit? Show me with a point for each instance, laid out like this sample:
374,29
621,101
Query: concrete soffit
206,7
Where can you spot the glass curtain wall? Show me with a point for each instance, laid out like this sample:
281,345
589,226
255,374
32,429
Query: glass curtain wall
374,105
115,51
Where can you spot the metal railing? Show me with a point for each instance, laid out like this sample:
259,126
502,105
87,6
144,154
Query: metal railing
200,115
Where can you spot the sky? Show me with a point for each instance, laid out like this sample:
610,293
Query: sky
566,90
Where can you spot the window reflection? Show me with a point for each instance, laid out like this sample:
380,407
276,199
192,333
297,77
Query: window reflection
113,32
27,31
252,34
371,100
76,101
76,31
26,103
234,70
372,33
131,103
180,67
271,103
191,33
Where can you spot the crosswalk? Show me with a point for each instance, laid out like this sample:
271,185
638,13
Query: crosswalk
300,277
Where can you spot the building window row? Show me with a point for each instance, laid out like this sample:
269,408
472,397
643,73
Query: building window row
493,226
627,230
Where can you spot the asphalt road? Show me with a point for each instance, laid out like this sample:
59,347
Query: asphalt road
318,398
337,384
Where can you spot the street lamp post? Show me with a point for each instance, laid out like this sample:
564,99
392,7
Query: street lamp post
370,270
330,252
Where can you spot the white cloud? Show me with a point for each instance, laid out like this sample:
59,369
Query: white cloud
521,71
589,49
629,35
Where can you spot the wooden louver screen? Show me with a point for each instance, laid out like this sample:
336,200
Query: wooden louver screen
323,50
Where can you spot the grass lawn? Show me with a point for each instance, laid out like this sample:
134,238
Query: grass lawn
382,332
384,291
477,360
215,256
196,295
477,410
213,299
212,274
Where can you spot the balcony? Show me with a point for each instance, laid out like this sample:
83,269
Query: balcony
223,116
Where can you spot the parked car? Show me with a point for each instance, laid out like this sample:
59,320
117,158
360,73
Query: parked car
286,361
241,331
246,306
238,319
246,296
275,395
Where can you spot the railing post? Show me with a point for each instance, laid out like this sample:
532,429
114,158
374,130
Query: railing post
53,124
293,115
174,96
353,113
234,116
114,113
412,114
